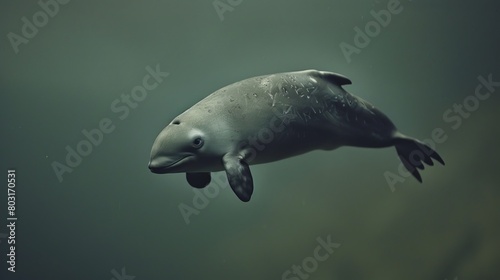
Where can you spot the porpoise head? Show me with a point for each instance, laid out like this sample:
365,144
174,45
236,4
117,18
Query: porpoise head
180,147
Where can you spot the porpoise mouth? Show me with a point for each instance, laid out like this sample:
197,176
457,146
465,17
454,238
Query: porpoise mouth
167,167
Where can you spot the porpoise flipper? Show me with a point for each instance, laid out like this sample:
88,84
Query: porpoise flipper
239,176
198,180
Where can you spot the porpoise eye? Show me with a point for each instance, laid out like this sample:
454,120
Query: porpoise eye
197,142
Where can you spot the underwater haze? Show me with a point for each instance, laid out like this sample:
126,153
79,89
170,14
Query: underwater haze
86,86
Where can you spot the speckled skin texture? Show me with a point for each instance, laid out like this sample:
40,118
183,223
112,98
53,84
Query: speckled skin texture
269,118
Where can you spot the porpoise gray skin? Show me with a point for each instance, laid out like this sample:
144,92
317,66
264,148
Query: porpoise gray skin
273,117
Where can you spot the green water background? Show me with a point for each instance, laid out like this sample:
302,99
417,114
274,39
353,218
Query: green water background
112,213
